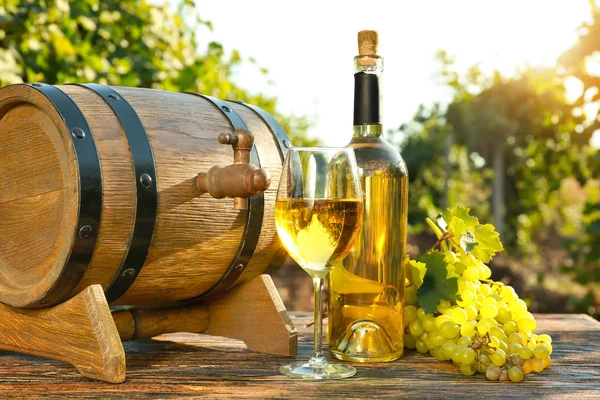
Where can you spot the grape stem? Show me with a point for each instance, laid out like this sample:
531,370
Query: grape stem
434,227
442,242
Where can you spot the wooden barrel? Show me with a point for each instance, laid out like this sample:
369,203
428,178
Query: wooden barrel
98,186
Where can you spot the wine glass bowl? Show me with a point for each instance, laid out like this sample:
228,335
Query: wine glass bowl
318,215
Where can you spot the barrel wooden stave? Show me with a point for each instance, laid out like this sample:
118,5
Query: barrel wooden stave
118,188
266,250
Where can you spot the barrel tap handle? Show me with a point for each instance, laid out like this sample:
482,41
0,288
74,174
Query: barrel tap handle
239,180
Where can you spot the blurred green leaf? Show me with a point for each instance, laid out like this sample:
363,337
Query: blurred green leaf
129,42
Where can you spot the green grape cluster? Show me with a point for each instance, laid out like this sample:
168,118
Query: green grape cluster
486,328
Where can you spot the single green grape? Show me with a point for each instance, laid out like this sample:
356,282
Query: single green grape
547,346
494,342
488,310
487,272
525,353
448,350
458,315
443,306
415,328
515,374
508,294
467,356
498,357
489,300
498,332
421,346
437,338
464,341
541,352
544,338
504,315
468,329
410,314
471,312
513,348
456,354
449,329
483,327
486,290
510,327
470,274
428,322
467,369
515,337
527,324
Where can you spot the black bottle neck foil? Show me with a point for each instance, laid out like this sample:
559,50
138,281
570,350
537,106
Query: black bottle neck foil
367,99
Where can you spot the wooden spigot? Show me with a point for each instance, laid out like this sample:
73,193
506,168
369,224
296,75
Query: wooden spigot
239,180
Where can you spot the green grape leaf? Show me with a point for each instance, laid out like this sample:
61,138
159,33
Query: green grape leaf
416,272
457,227
436,284
488,243
482,241
462,213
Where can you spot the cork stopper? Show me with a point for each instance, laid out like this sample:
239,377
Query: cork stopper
368,42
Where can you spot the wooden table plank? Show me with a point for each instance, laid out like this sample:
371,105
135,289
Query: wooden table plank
196,365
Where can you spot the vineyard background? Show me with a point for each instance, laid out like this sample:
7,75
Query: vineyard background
514,148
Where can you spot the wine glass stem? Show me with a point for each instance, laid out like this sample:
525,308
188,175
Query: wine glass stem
318,284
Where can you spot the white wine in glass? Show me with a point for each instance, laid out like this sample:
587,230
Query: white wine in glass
318,214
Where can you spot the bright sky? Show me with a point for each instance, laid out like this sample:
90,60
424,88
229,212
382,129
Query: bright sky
308,47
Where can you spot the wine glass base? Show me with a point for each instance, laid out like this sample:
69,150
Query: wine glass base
317,369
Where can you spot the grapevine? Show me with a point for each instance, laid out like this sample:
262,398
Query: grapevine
455,312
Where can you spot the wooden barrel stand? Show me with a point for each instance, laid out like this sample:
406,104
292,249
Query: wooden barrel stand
134,197
83,332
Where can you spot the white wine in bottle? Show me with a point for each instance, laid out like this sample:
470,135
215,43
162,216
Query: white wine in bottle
366,300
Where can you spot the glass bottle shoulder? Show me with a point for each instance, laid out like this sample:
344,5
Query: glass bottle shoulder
375,155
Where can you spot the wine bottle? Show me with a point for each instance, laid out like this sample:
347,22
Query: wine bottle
366,300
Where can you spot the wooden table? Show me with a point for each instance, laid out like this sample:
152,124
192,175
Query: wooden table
192,365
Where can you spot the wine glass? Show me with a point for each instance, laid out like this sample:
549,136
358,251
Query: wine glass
318,214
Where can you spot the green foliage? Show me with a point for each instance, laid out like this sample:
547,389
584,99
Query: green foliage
482,241
437,285
581,62
528,117
120,42
424,146
415,272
